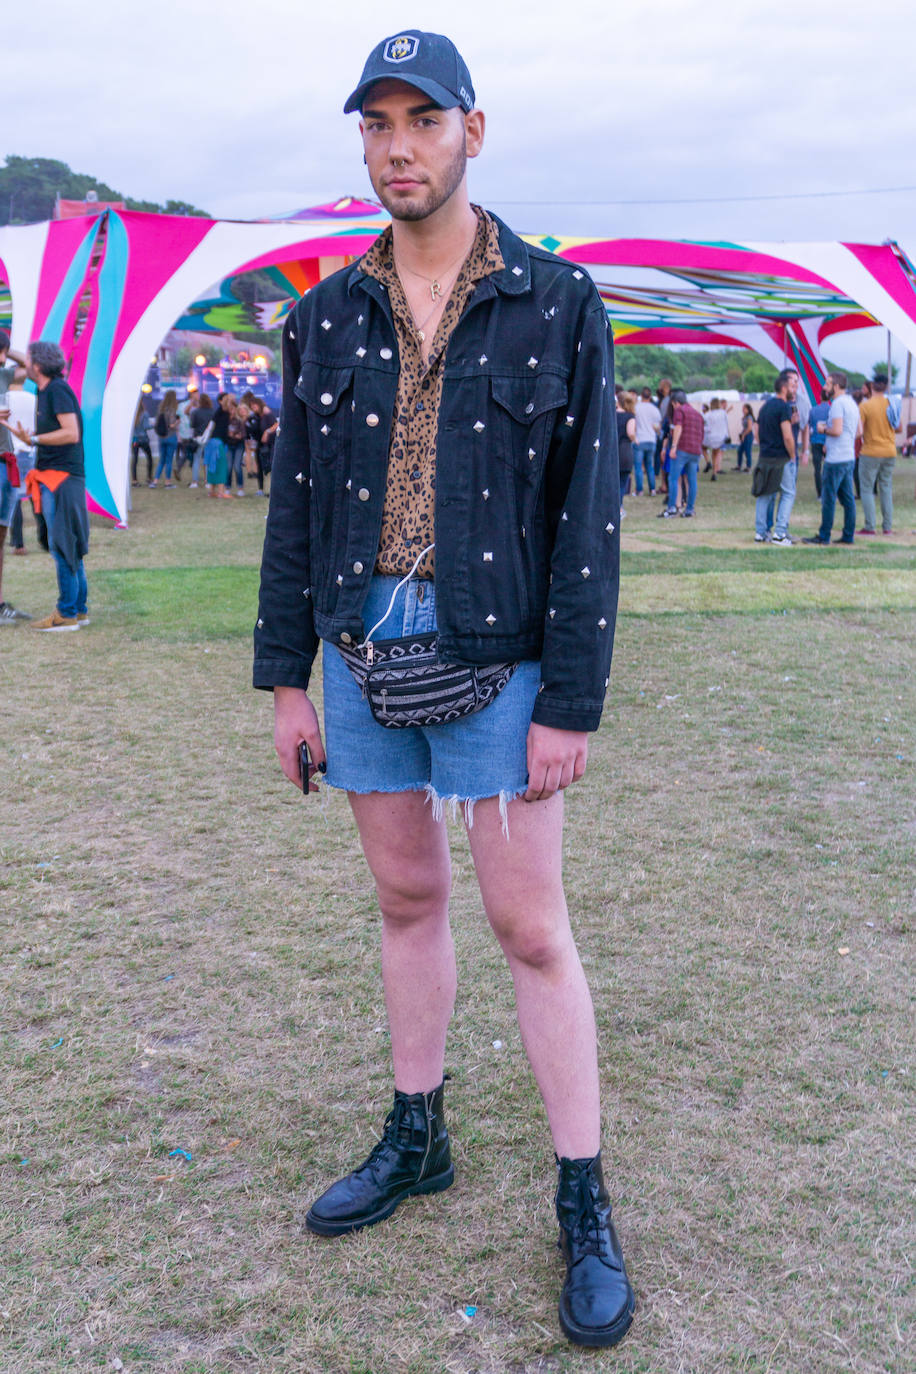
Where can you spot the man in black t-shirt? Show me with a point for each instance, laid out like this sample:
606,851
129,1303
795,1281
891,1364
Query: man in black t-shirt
12,371
57,482
775,470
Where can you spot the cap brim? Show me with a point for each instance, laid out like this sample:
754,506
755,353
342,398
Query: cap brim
447,99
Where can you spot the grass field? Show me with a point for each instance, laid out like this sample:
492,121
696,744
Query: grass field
190,962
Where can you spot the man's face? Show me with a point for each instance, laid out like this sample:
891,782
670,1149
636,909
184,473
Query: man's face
792,386
829,389
416,152
32,371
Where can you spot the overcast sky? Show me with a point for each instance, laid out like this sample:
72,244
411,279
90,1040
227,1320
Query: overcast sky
237,107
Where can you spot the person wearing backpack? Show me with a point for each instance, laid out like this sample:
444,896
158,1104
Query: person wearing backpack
167,433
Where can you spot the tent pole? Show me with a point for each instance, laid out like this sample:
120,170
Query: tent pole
909,373
889,373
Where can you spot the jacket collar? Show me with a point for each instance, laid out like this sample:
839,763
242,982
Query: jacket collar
513,280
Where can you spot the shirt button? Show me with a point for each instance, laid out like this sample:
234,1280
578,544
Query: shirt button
363,493
385,353
357,567
372,419
326,398
345,638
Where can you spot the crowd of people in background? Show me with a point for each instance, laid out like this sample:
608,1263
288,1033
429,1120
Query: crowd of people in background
849,437
220,444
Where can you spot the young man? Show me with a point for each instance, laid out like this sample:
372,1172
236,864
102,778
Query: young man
648,428
841,428
880,422
776,465
686,447
454,388
11,373
57,482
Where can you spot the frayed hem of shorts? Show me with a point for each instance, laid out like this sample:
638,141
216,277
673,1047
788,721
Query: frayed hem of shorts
367,791
467,805
440,804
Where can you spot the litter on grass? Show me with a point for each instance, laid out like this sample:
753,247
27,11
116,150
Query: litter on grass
184,1154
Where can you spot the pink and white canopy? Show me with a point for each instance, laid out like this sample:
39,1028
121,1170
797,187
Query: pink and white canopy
109,287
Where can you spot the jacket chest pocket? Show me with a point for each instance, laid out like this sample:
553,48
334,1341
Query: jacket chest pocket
528,408
327,393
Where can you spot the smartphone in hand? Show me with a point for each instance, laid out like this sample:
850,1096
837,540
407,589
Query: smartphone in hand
305,767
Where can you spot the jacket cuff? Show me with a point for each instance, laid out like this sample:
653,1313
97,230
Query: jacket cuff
281,672
562,714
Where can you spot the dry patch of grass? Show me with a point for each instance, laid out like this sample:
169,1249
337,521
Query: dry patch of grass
191,963
827,589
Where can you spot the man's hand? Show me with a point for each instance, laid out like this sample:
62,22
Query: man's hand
555,759
295,720
14,427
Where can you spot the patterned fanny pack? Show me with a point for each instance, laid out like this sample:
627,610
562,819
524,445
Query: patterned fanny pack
405,683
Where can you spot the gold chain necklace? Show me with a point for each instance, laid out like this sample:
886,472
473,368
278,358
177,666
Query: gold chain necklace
434,284
437,303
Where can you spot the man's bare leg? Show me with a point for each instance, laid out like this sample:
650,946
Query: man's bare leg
407,853
522,890
521,883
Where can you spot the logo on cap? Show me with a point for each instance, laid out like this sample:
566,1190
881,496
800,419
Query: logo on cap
401,49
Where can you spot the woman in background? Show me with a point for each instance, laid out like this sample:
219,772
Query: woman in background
745,439
167,434
235,448
715,435
217,433
139,440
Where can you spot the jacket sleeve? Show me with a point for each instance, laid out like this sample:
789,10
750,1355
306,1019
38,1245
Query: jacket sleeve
285,642
583,507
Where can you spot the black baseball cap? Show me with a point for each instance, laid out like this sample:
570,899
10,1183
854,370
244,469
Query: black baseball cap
428,61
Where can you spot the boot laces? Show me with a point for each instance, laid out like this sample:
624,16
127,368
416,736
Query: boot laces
395,1134
589,1227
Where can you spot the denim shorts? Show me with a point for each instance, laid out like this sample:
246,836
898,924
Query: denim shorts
9,495
463,761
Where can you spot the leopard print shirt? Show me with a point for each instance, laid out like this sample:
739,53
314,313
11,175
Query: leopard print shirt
408,517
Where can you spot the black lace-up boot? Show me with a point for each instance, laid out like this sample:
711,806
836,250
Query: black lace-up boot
412,1157
597,1302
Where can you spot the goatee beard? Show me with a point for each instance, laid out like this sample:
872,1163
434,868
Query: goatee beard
431,199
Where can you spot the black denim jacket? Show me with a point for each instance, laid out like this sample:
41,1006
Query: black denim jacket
527,485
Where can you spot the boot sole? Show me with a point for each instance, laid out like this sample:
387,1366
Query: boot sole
602,1335
437,1184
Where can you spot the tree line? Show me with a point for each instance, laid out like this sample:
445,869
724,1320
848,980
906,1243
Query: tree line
29,187
727,369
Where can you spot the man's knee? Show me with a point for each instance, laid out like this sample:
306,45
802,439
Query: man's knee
527,939
410,895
